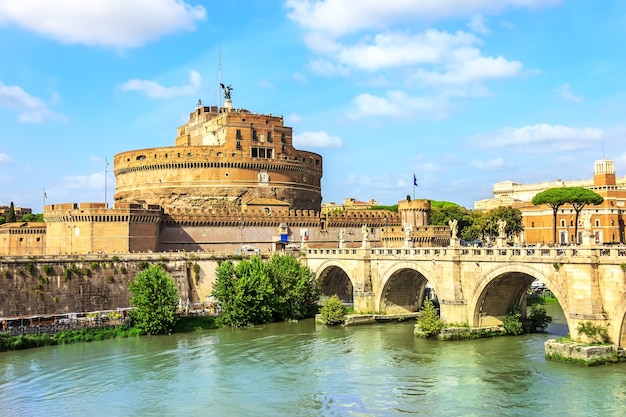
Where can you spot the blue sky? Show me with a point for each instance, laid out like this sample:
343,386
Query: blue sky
460,93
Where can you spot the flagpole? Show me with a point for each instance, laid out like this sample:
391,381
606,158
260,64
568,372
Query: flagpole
106,172
44,198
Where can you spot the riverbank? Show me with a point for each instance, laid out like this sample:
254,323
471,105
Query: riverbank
8,342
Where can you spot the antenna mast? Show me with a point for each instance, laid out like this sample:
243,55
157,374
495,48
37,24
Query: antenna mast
219,76
106,173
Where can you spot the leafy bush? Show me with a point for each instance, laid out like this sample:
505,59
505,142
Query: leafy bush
428,321
155,298
539,318
255,292
595,332
513,323
48,270
333,311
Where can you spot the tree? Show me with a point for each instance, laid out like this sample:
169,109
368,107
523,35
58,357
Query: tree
555,198
441,212
256,292
333,311
11,214
512,216
428,321
30,217
155,298
579,198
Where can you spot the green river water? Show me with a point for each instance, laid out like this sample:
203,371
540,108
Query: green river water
300,369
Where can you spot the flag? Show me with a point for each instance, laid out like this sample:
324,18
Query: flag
414,180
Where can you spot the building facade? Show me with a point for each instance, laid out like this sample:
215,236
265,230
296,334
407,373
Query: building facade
606,219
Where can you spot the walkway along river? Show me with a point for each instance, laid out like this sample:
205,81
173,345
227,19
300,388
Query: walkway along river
300,369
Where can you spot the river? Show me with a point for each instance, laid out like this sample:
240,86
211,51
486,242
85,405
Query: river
300,369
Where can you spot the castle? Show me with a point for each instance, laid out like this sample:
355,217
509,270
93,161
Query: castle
232,181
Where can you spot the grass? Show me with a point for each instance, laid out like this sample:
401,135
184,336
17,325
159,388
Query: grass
92,334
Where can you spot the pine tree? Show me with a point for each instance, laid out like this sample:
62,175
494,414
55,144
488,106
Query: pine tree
11,215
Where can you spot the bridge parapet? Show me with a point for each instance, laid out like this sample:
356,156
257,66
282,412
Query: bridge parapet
469,253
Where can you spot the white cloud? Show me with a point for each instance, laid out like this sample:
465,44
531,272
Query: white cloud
496,164
339,17
542,138
116,23
30,109
565,91
156,90
477,24
471,69
85,182
293,118
398,105
317,139
5,158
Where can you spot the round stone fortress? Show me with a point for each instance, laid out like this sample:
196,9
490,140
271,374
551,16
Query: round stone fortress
223,159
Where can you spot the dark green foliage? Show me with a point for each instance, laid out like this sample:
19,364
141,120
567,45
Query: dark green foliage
255,292
143,265
95,265
11,214
31,268
595,332
48,270
123,269
31,217
67,275
115,258
196,272
333,311
513,323
428,320
578,197
393,208
155,298
190,324
539,318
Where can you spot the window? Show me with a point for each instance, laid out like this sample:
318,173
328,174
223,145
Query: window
269,136
282,138
532,224
597,222
238,134
238,145
562,223
267,153
254,136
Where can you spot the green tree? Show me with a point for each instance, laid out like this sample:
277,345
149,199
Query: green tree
11,214
428,320
555,198
30,217
255,292
579,198
477,226
297,288
2,220
539,318
513,323
512,216
333,311
441,212
155,298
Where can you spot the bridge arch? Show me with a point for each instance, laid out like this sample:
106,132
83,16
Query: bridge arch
504,287
334,280
403,291
618,323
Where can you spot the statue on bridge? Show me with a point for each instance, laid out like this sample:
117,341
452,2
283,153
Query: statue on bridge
365,233
454,229
342,237
501,228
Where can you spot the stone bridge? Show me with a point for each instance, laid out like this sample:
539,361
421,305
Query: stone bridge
478,286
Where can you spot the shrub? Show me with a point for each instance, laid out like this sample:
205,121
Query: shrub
333,311
48,270
31,268
196,272
95,265
143,265
513,323
428,321
155,298
123,269
595,332
539,318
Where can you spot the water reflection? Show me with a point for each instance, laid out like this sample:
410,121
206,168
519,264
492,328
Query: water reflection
301,369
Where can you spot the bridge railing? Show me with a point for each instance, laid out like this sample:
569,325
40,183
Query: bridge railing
433,252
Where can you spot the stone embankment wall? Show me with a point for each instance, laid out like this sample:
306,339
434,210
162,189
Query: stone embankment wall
68,284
